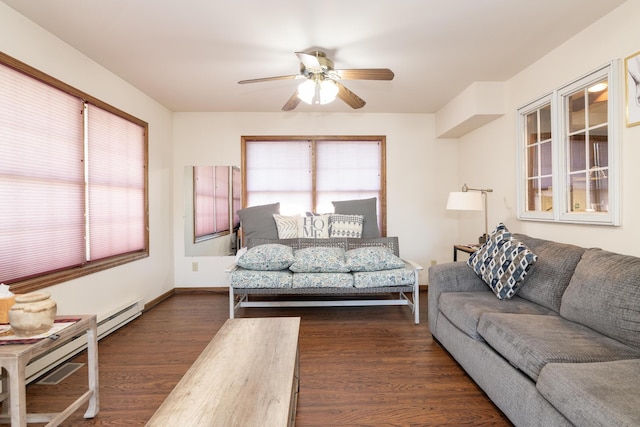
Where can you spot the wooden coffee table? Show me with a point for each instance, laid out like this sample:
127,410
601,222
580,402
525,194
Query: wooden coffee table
248,375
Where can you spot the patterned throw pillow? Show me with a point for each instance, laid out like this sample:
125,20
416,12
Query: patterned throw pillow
268,257
319,260
346,225
502,262
374,258
287,226
314,227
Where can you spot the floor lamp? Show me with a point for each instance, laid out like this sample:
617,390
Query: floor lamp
471,199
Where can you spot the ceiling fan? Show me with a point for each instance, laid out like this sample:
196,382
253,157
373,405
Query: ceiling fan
322,83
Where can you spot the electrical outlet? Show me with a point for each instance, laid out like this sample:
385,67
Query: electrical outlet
434,262
194,266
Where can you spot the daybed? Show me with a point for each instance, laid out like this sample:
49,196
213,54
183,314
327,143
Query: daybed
340,268
565,350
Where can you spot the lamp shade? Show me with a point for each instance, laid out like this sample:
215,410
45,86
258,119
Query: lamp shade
464,201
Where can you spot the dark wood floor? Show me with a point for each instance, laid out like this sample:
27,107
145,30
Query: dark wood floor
368,366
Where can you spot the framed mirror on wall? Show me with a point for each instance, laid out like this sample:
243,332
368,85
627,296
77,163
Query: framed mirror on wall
212,199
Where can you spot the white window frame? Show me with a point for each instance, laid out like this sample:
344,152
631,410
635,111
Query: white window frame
559,120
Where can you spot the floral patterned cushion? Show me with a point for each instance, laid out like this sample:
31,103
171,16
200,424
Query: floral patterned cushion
319,260
372,259
322,280
251,279
376,279
269,257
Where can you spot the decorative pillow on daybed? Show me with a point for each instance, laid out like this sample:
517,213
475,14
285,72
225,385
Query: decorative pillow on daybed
378,279
319,260
342,225
502,262
287,226
366,207
267,257
373,258
257,221
314,226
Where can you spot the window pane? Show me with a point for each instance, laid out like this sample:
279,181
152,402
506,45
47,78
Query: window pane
577,192
41,178
545,158
576,111
545,123
532,128
203,189
279,171
598,103
222,199
116,174
577,154
532,161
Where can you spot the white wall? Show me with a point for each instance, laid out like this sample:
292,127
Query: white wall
421,170
487,156
146,279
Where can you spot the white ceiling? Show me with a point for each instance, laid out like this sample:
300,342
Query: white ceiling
190,54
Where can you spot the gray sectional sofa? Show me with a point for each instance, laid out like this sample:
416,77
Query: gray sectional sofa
565,350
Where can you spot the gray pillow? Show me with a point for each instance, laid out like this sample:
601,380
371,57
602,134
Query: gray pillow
364,207
258,223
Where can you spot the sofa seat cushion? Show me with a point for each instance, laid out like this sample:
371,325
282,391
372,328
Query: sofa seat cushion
603,294
376,279
322,280
464,309
595,394
252,279
530,341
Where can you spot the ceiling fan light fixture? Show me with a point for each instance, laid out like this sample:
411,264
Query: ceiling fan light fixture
307,91
318,91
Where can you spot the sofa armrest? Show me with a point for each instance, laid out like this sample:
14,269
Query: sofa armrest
450,277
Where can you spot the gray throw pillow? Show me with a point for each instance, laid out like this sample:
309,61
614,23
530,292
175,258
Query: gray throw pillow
258,223
364,207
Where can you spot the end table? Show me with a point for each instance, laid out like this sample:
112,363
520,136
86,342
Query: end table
469,249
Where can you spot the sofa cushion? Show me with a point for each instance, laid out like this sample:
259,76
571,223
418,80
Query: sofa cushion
555,265
251,279
377,279
372,258
268,257
594,394
257,221
287,226
604,294
322,280
319,259
365,207
341,225
502,262
464,309
314,226
530,341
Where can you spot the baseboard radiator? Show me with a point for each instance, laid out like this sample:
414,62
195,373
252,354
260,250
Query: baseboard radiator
109,323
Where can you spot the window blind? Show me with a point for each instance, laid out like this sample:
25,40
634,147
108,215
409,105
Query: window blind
116,188
41,178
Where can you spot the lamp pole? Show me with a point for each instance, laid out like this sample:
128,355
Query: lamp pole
484,192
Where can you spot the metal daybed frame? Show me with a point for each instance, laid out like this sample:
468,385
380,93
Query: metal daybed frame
239,297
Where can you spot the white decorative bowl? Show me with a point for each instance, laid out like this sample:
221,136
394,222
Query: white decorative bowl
32,314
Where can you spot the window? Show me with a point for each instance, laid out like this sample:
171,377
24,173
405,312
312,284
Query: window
73,181
568,165
211,201
305,174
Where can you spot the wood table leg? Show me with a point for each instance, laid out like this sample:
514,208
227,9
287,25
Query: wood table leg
17,393
93,376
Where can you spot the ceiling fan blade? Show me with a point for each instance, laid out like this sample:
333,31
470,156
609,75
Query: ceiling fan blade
292,102
310,61
268,79
353,100
366,74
